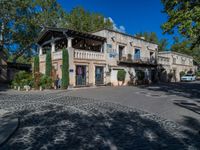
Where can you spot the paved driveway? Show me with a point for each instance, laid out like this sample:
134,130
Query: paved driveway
179,102
102,118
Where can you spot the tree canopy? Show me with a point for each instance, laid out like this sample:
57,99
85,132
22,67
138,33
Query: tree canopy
184,17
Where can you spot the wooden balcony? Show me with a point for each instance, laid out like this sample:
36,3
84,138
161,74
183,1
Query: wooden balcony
89,55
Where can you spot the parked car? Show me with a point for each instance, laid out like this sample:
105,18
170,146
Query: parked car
188,77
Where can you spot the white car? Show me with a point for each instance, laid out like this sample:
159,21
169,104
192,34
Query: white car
188,77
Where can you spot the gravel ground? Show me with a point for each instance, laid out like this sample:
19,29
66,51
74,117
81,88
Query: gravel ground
57,121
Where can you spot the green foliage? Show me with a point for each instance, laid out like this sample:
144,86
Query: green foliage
140,75
183,16
46,82
82,20
197,73
36,64
121,74
27,17
48,64
182,73
65,69
22,78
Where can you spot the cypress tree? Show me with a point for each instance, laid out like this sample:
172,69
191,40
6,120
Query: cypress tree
36,64
48,64
65,69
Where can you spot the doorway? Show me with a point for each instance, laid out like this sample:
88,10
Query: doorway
99,75
80,75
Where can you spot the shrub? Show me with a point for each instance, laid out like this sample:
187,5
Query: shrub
140,75
197,73
121,74
45,82
65,69
48,64
22,78
36,64
170,76
182,73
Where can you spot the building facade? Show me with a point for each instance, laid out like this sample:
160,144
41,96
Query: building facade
95,58
174,63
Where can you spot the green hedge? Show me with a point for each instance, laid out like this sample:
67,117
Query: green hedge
22,78
45,82
121,74
48,64
65,69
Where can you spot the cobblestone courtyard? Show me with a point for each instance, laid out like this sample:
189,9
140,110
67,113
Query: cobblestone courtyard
59,120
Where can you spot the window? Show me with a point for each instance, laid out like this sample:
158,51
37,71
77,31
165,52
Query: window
137,54
109,46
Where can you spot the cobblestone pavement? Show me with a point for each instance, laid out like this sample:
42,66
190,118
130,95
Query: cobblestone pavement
58,121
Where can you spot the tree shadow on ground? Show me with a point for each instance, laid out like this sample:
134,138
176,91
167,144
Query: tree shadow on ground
187,90
58,127
194,129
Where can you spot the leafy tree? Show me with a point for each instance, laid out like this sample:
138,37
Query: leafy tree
183,16
82,20
48,64
21,21
65,69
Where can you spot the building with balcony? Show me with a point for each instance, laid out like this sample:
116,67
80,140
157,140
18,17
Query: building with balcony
95,58
134,55
173,62
86,55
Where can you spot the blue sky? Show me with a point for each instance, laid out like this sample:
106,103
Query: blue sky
133,16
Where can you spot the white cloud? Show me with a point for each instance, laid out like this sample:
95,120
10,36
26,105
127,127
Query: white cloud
120,28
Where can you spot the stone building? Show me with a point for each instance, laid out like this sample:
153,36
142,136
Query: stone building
95,58
175,63
134,55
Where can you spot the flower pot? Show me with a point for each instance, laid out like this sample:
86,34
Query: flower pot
18,88
41,88
120,83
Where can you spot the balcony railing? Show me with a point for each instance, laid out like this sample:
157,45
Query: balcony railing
42,57
57,55
139,60
81,54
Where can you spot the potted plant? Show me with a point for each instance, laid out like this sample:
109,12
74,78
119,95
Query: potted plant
121,74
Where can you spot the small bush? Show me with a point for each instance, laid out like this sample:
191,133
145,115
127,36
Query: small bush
197,73
45,82
182,73
140,75
121,74
22,78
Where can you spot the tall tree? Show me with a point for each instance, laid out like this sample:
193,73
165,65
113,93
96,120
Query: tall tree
184,17
21,21
65,69
48,64
82,20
